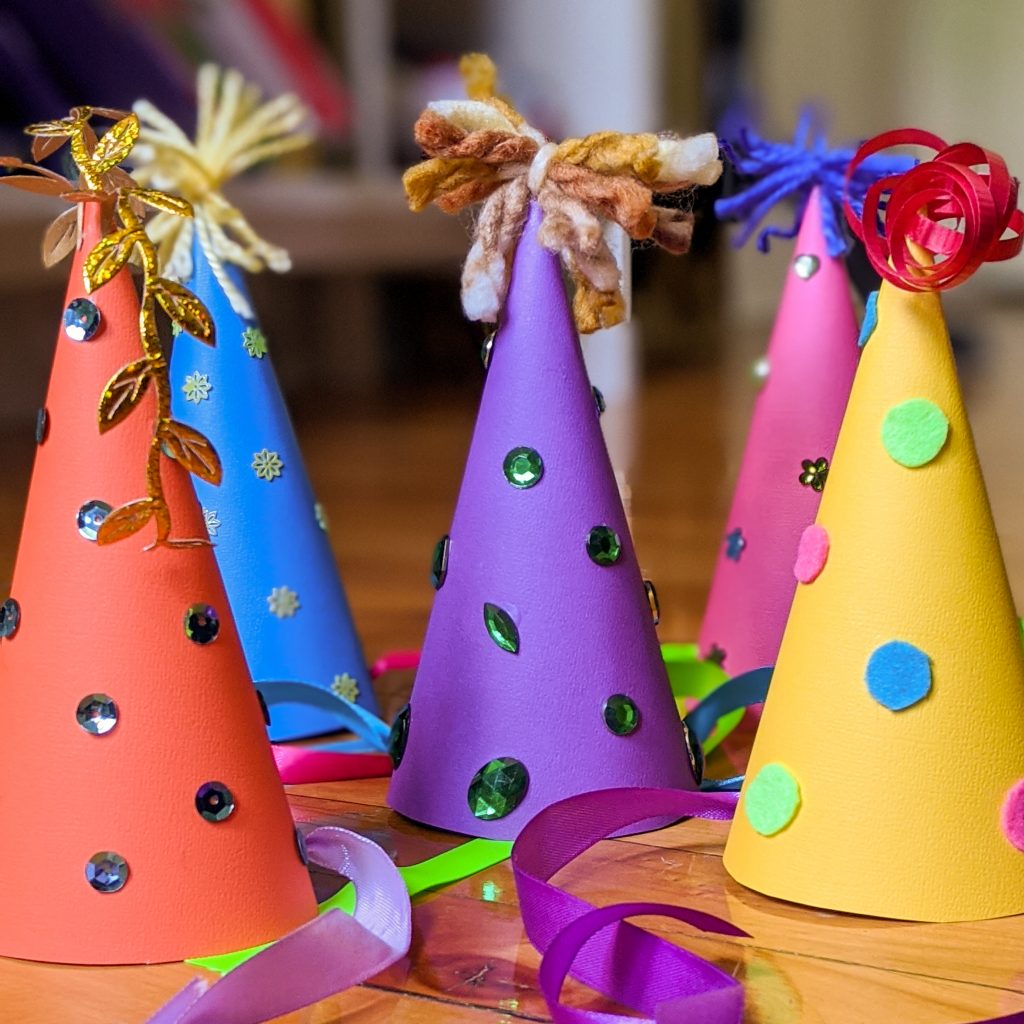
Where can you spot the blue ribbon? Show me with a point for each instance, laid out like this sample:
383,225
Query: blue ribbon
784,169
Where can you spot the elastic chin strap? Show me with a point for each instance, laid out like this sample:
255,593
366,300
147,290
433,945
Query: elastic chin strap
739,692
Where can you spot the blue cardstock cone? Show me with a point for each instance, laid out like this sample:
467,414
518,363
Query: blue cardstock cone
268,530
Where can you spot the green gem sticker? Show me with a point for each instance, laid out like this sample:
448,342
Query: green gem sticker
498,788
399,735
501,628
771,799
439,564
914,432
603,545
621,714
523,467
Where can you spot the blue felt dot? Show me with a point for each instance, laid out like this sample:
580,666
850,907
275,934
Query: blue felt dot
898,675
870,321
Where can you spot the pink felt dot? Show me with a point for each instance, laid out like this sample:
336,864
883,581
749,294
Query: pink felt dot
812,553
1012,818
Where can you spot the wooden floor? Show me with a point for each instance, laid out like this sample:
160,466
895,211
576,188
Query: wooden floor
388,477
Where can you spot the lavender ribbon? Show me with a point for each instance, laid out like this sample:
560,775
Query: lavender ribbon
329,954
783,169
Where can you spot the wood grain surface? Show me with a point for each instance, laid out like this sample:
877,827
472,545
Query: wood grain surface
388,476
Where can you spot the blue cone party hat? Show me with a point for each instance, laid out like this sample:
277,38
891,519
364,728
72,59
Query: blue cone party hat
269,532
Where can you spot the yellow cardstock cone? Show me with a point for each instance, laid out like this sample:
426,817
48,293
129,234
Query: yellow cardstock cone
859,807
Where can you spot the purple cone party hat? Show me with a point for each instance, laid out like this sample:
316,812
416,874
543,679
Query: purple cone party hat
540,675
270,533
806,376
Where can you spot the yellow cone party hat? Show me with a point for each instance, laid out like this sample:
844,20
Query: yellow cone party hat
887,775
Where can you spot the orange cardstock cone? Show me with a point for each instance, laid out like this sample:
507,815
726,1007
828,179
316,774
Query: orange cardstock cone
124,852
885,778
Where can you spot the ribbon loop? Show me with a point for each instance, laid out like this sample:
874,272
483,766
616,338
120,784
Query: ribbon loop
905,219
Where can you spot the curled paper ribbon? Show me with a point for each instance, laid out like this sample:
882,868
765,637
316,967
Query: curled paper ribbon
625,963
918,204
794,169
329,954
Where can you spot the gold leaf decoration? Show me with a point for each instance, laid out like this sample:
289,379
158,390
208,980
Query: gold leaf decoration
162,201
190,448
116,144
45,145
62,128
183,308
109,256
125,520
99,179
123,392
34,183
60,237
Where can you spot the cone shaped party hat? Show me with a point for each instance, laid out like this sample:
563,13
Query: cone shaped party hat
806,377
808,370
540,674
268,530
886,775
139,800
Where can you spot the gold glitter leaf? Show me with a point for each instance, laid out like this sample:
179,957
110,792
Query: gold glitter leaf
34,183
109,256
123,392
45,145
162,201
192,450
115,145
183,308
60,237
60,129
126,520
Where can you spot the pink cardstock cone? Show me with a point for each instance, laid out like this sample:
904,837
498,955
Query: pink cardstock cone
811,360
583,631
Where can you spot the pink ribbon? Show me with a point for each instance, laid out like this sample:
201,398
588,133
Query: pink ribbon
328,955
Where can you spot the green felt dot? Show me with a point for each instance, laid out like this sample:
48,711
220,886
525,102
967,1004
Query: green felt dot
914,432
772,799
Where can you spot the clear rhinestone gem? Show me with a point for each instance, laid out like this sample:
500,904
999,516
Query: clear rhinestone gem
81,320
97,714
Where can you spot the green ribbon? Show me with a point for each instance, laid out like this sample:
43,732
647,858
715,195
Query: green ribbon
443,869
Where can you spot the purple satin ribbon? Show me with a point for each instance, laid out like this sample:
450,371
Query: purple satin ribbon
783,169
596,945
329,954
623,962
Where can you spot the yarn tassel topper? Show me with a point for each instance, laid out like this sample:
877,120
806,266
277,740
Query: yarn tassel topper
481,150
777,171
235,130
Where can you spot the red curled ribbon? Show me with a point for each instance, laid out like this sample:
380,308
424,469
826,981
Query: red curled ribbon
918,204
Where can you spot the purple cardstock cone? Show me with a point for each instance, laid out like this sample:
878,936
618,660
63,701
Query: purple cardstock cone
812,357
585,630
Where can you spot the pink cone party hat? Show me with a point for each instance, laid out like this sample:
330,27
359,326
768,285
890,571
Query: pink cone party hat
541,675
887,775
806,376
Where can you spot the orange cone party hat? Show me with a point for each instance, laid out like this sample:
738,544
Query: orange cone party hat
139,801
887,775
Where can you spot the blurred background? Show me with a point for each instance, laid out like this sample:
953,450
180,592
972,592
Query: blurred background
366,330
